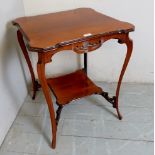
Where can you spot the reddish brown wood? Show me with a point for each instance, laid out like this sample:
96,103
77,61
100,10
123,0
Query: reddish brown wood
129,45
35,84
43,81
52,33
45,32
72,86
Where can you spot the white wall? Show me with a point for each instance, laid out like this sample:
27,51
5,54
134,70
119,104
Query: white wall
12,81
104,65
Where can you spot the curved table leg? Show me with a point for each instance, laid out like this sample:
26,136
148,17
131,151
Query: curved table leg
44,85
129,45
36,85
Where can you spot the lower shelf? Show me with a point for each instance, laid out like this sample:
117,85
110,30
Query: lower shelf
72,86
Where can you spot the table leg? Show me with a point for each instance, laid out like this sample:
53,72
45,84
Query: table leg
58,112
36,85
129,45
44,85
85,62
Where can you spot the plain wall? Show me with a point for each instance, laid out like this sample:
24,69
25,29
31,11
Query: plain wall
106,62
13,88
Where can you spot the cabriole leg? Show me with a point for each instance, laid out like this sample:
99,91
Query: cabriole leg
129,45
35,83
44,85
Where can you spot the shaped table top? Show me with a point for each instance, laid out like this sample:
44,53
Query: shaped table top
50,30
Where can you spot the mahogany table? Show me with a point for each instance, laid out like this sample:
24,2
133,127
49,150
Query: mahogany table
81,30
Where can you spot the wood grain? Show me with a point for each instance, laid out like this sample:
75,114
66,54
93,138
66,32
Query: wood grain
72,86
44,32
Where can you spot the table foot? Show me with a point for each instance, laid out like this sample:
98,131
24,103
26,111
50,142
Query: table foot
112,100
37,86
119,114
53,145
34,95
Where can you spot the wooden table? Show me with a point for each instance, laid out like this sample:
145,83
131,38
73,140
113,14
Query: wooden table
81,30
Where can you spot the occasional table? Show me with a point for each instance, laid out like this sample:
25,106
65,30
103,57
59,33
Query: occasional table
81,30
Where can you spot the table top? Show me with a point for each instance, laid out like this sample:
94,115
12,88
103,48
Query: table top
48,31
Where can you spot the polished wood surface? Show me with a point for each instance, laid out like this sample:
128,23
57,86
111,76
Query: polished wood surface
81,30
35,83
43,82
44,32
72,86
